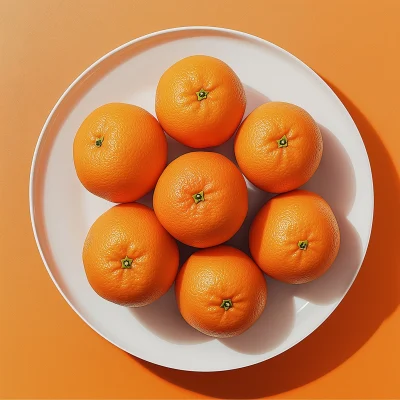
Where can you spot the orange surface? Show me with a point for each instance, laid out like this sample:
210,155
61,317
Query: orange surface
212,117
221,273
120,151
130,236
295,237
222,205
46,351
278,147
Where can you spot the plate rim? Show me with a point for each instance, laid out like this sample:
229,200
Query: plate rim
91,67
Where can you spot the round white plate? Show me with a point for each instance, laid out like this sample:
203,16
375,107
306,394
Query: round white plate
62,210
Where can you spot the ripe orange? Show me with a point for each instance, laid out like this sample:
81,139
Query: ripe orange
129,258
295,237
278,147
200,101
120,151
201,199
220,291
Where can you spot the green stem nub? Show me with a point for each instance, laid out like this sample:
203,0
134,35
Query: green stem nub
99,141
283,141
202,94
303,244
126,263
226,304
198,197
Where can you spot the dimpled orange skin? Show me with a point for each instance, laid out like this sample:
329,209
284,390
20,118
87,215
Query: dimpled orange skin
131,157
220,273
130,230
209,222
281,224
200,123
272,168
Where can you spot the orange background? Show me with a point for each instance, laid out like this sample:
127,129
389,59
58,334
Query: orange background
46,351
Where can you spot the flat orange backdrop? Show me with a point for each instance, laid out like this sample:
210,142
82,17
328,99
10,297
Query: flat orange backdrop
46,351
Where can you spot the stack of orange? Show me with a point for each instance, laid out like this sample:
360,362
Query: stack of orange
130,254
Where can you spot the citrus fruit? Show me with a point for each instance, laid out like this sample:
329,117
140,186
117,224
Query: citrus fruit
120,151
220,291
295,237
278,147
201,199
129,258
200,101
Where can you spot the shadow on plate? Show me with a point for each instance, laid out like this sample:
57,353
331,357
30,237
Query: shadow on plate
334,179
374,296
163,319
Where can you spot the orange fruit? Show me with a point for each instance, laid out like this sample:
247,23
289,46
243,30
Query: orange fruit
278,147
120,151
295,237
129,258
220,291
200,101
201,199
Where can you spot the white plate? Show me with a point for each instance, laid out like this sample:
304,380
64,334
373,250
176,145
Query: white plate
62,210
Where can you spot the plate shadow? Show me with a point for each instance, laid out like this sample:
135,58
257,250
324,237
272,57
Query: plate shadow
355,320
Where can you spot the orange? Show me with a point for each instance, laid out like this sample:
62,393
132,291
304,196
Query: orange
129,258
200,101
120,151
220,291
201,199
278,147
295,237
